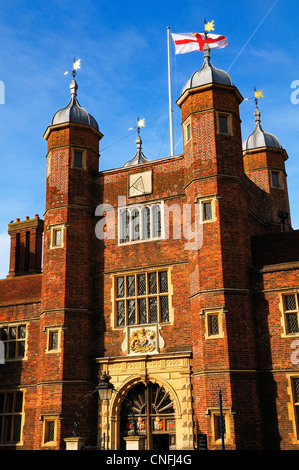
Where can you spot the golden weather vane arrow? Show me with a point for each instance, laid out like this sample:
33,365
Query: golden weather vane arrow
76,66
209,26
140,123
257,94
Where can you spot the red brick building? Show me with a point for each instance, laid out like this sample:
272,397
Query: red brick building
177,277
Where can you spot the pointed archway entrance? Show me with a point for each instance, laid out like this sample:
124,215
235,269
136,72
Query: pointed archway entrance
148,411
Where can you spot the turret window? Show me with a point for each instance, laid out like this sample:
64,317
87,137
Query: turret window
187,130
276,179
224,123
78,159
57,236
207,208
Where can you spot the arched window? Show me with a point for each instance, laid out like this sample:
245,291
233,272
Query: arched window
146,222
148,411
143,222
125,226
156,220
135,224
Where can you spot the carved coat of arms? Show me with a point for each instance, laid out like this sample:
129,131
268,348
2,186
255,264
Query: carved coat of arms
143,340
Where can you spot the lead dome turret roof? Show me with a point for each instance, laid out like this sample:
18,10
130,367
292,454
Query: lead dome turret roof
259,138
207,74
73,112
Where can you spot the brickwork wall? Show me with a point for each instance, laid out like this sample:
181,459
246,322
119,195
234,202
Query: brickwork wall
249,361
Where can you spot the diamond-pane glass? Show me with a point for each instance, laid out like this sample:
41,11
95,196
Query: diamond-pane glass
125,226
120,287
219,426
135,225
207,211
51,431
131,286
296,390
163,281
146,220
152,277
142,311
164,309
121,317
292,319
156,221
290,302
57,237
153,310
131,312
214,327
141,284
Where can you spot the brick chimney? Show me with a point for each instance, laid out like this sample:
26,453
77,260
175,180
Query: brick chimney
25,246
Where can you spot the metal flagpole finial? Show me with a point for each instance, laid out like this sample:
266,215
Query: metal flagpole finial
76,66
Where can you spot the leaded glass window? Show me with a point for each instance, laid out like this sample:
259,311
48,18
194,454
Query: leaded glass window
13,338
291,311
296,402
142,298
11,404
142,222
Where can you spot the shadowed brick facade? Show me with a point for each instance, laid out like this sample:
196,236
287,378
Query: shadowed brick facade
177,277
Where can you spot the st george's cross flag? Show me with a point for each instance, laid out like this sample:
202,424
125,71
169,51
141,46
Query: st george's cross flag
189,42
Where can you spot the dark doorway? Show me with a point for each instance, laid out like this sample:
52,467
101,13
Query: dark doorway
148,411
161,442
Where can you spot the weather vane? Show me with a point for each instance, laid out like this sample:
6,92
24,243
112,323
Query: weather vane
257,94
140,123
209,26
76,66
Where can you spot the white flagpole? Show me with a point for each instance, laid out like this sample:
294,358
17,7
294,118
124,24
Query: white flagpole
169,93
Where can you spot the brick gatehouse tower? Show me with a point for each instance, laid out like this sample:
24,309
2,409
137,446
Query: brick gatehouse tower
175,279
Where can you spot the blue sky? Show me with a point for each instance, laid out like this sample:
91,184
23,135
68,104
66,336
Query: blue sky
123,75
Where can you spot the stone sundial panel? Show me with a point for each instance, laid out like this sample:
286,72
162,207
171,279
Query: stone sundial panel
140,183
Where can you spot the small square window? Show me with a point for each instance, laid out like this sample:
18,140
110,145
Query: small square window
78,159
57,237
207,210
223,124
50,431
53,340
275,179
188,131
218,429
213,325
